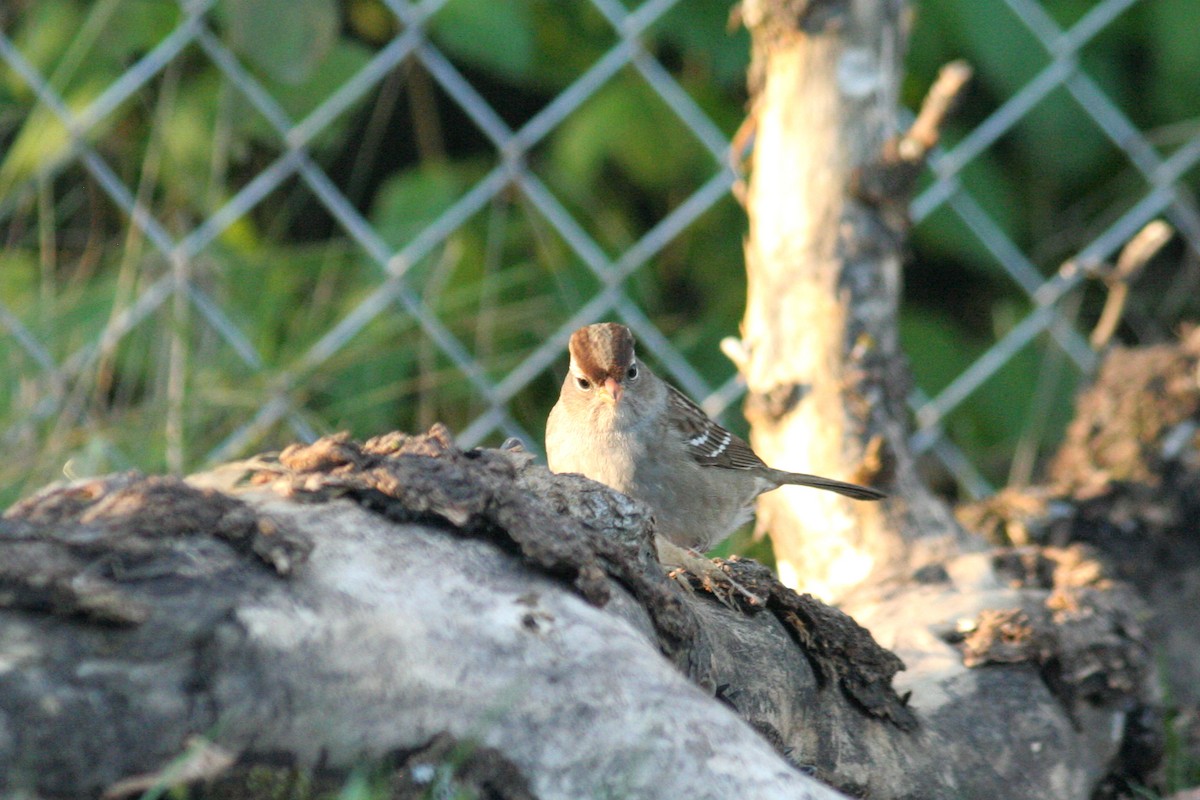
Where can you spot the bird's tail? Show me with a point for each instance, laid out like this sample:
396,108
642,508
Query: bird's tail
829,484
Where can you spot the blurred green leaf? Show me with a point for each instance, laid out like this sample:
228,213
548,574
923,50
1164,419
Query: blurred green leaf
1004,52
371,20
699,30
137,27
937,348
568,39
287,40
42,36
408,202
187,137
96,47
1173,58
626,124
18,279
496,35
341,63
43,141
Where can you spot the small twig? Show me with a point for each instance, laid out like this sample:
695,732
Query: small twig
1049,376
735,350
888,183
202,761
740,149
427,125
684,561
435,285
1133,259
941,99
1142,247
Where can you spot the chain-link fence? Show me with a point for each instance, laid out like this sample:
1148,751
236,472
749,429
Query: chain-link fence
183,299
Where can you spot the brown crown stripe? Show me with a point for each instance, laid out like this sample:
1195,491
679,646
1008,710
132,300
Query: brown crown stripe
604,350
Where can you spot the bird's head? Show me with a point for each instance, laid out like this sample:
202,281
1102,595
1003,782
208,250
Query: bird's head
603,363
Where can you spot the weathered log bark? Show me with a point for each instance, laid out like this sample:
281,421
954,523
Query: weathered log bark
1126,483
827,380
402,597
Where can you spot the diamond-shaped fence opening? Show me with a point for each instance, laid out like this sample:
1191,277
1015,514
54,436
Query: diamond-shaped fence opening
216,243
621,145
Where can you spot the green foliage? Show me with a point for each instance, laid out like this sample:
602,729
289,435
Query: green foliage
286,274
496,36
412,200
300,91
287,40
1173,94
598,135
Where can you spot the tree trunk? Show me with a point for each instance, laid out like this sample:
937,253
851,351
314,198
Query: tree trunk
827,381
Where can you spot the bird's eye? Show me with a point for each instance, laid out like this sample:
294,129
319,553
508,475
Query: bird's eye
631,373
583,383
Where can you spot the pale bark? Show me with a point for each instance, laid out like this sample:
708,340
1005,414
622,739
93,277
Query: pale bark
826,378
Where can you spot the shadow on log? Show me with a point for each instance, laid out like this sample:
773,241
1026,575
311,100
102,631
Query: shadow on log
405,602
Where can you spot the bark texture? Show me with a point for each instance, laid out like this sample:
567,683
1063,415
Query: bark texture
471,614
827,381
1126,484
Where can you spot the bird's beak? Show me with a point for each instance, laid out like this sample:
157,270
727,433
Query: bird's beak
612,390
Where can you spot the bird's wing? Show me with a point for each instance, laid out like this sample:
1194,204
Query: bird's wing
706,441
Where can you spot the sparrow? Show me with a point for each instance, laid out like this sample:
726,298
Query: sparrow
618,423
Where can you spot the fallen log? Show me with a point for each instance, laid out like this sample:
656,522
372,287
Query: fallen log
472,616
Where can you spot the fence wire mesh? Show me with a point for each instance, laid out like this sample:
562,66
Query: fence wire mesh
178,294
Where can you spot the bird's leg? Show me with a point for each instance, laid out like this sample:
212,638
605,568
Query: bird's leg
684,559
